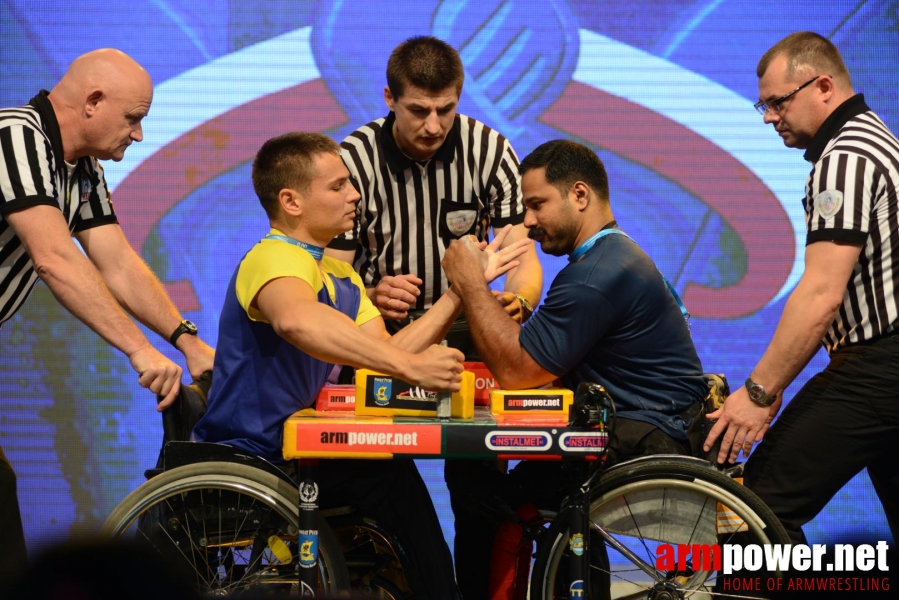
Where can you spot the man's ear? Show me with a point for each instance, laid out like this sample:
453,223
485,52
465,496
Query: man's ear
582,195
92,102
826,87
388,98
291,202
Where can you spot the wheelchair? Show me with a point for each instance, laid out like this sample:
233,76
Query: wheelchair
632,510
230,521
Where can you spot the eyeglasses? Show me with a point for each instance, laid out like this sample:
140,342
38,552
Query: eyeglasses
774,106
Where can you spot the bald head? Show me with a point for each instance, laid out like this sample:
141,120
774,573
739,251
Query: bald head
100,102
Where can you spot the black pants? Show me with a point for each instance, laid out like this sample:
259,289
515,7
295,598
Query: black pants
843,420
13,558
476,487
393,494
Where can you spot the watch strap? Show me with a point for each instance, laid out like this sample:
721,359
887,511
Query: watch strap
183,327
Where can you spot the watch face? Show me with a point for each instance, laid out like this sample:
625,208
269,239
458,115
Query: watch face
189,327
757,393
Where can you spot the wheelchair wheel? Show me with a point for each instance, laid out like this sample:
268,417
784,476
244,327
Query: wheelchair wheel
374,557
229,527
643,504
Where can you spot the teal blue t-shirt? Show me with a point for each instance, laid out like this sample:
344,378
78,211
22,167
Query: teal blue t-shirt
609,318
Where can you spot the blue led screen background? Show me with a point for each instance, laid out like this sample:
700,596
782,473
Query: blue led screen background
662,90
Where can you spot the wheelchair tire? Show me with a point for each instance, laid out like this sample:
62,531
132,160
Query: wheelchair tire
647,502
216,521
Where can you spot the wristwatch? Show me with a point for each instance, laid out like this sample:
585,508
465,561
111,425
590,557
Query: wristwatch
757,393
185,327
526,309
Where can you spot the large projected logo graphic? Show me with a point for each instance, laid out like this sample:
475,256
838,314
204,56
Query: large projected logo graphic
661,89
582,85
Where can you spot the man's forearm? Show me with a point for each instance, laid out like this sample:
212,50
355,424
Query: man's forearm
527,278
494,333
78,286
797,338
432,327
138,290
331,336
140,293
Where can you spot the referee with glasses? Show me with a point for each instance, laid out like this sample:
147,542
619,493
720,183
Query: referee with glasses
846,418
428,176
52,188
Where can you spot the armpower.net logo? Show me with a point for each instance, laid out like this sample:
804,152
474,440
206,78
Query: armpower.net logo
748,568
369,438
382,438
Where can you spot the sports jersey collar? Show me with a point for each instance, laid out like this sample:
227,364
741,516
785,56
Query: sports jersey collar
397,161
847,110
581,250
41,104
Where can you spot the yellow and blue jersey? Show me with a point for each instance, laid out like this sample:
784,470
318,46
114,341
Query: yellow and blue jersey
261,378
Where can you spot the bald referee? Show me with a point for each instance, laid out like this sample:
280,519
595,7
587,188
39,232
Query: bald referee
51,189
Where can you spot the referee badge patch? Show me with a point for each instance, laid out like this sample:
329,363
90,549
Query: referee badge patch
460,221
85,189
828,203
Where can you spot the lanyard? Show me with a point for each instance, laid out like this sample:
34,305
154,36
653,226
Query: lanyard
583,248
317,252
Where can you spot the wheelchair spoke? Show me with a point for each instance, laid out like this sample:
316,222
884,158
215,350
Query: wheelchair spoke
197,550
220,520
657,502
637,525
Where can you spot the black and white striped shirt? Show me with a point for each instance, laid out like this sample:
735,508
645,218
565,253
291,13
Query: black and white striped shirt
410,212
851,195
33,172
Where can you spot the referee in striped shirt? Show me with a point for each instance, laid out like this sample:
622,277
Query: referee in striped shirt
428,176
52,188
845,418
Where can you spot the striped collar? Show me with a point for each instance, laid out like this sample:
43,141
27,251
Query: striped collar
50,125
397,161
832,125
41,103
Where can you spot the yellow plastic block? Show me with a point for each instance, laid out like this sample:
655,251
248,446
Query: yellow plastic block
552,401
382,395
